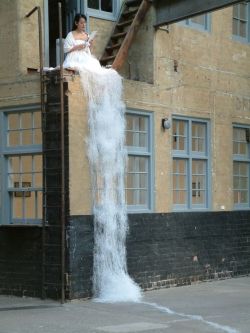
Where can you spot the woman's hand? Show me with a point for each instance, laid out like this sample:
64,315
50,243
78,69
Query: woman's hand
79,47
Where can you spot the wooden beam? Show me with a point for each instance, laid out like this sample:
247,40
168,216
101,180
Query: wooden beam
171,11
123,51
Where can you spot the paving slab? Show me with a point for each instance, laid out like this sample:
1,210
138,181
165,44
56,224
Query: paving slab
209,307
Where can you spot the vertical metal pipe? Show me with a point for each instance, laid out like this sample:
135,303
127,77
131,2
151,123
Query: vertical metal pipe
42,113
42,92
62,160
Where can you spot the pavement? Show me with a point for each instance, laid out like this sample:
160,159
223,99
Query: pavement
208,307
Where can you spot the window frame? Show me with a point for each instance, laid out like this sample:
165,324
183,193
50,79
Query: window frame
241,159
238,37
98,13
8,151
141,152
201,27
188,156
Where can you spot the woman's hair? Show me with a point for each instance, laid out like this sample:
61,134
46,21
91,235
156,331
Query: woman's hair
77,19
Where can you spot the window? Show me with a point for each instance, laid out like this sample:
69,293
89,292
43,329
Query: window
103,8
139,167
241,166
190,164
21,166
241,27
202,22
103,5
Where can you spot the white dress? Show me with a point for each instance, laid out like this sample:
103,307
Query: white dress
79,59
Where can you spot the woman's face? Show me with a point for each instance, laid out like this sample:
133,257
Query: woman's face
81,24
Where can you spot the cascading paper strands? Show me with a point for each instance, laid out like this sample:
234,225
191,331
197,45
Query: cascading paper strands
107,158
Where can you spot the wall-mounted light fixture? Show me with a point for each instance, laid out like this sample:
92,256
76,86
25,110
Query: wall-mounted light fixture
165,123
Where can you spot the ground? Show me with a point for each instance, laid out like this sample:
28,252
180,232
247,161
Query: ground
224,306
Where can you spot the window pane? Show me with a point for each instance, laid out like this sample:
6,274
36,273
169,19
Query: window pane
30,205
180,197
106,5
37,119
198,181
24,128
37,139
17,205
137,131
14,138
38,180
240,22
241,182
38,163
26,163
137,181
179,135
27,137
243,169
200,19
13,172
235,11
242,11
241,197
180,181
198,137
240,144
26,120
235,27
13,121
138,164
243,29
93,4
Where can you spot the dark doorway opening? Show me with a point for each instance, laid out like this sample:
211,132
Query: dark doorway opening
54,28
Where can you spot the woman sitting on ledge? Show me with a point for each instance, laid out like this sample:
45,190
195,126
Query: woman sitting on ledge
77,46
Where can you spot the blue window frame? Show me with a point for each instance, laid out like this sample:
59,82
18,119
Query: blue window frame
139,176
21,165
190,164
241,166
200,22
106,9
241,25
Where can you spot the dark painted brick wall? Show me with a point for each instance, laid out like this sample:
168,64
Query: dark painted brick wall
20,261
80,235
178,248
168,249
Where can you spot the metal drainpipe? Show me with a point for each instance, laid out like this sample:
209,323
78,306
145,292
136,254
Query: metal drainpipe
62,160
42,92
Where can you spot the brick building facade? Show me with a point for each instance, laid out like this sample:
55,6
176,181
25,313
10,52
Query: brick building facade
189,213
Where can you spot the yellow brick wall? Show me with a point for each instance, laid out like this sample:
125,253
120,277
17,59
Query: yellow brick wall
19,50
8,39
28,34
79,175
211,82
